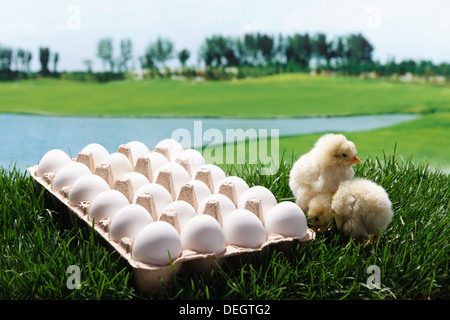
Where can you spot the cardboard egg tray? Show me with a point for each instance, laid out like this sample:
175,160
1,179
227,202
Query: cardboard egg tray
148,277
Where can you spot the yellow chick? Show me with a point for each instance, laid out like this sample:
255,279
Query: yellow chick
361,208
319,210
321,170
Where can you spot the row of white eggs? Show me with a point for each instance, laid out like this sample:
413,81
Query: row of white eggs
198,232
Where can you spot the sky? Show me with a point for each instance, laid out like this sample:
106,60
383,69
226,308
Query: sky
399,29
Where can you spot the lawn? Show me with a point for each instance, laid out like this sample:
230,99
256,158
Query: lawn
412,254
276,96
427,138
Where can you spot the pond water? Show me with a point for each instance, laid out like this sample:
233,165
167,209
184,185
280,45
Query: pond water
24,139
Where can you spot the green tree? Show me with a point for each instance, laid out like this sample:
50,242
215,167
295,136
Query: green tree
6,56
339,52
146,60
88,64
219,51
358,54
265,46
444,69
390,67
212,51
183,56
319,47
407,66
251,48
358,48
425,68
280,49
44,57
230,52
324,50
299,50
241,51
105,52
161,50
126,49
27,59
20,56
55,61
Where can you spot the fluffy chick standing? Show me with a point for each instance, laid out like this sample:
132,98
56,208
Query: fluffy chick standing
321,170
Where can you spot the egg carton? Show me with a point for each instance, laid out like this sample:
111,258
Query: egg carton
203,186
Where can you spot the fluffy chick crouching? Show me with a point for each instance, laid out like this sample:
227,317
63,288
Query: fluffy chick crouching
321,170
361,208
319,210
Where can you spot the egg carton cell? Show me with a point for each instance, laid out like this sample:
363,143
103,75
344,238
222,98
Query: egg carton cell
165,210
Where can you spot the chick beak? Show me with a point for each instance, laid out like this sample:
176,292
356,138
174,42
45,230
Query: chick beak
355,160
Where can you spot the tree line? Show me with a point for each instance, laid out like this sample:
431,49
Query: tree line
15,64
222,57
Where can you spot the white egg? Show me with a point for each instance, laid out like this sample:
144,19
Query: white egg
137,180
286,219
67,175
137,149
174,147
119,163
201,190
203,234
155,242
268,200
240,185
86,188
184,211
194,158
225,204
243,228
52,162
157,160
179,175
99,153
107,204
217,174
161,196
129,221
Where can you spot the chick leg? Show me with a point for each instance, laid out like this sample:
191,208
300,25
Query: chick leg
371,241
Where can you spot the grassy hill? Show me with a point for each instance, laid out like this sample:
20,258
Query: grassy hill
276,96
288,95
427,138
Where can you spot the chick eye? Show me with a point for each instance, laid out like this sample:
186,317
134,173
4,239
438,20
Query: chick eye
344,155
316,218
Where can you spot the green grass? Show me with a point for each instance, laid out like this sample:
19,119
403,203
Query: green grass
412,253
36,250
426,138
275,96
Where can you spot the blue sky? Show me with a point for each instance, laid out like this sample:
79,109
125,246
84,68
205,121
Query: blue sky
400,29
